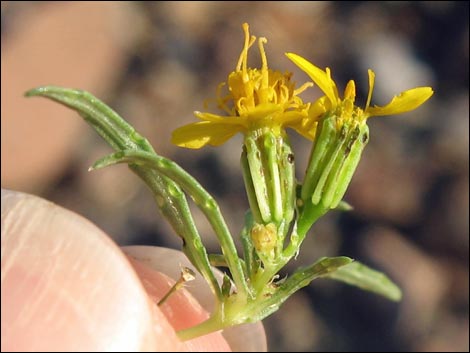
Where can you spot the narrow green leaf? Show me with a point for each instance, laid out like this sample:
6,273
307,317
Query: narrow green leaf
344,206
359,275
203,200
114,129
299,279
303,276
121,136
323,267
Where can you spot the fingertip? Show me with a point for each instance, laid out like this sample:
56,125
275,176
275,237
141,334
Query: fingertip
65,285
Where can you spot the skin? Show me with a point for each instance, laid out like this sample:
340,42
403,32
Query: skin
67,287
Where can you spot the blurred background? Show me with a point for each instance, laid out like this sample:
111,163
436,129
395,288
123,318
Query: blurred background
156,62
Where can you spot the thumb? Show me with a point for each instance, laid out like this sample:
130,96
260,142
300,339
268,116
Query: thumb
66,286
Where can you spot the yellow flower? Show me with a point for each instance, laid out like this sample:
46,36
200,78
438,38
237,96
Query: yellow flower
256,99
344,109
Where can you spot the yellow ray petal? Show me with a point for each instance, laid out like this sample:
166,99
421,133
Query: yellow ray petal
320,77
306,130
404,102
319,107
234,120
290,117
208,116
332,83
260,111
200,134
308,125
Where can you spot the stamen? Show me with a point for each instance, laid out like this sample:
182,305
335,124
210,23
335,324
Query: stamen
241,105
283,94
243,60
222,100
264,61
273,96
303,88
243,54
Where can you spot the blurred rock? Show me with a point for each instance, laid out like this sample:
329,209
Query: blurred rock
423,280
78,45
305,329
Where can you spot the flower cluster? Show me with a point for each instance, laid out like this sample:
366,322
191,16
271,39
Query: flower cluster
256,98
263,97
261,104
345,109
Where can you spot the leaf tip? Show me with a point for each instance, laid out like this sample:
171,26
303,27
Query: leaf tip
34,92
99,164
395,295
344,206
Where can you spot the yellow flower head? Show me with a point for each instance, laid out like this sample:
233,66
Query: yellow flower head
256,99
344,108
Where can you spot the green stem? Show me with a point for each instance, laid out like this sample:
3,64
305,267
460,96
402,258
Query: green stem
304,276
212,324
174,206
308,216
201,197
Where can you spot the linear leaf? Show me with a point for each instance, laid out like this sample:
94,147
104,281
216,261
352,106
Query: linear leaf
362,276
